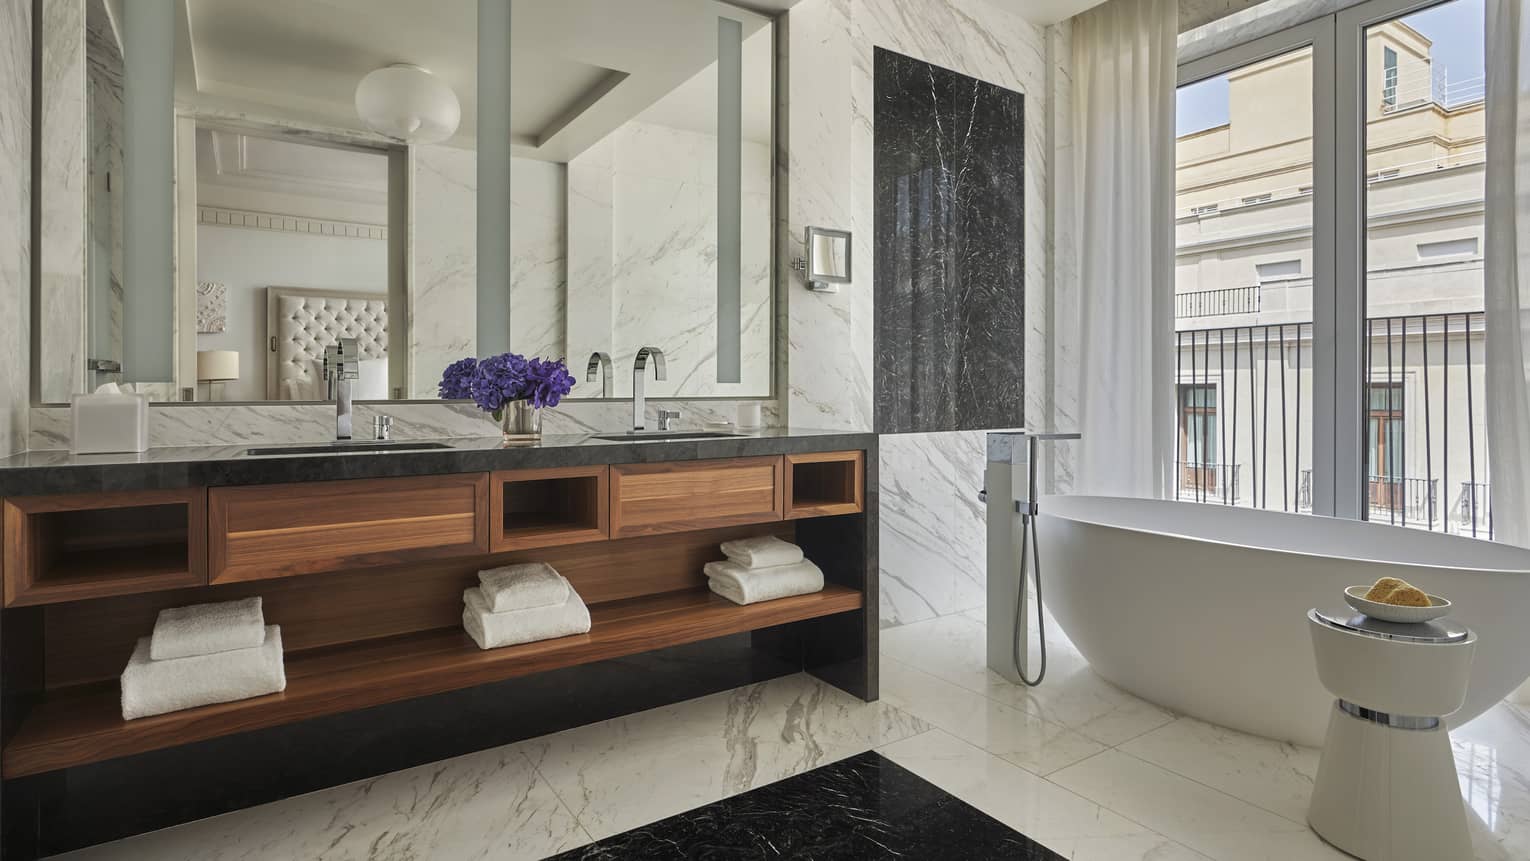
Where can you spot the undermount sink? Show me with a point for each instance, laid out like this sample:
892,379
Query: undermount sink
340,447
666,436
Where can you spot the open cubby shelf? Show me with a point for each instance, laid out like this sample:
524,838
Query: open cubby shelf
549,507
81,725
824,483
65,548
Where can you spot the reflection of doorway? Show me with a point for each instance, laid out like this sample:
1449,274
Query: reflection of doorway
1198,438
1384,436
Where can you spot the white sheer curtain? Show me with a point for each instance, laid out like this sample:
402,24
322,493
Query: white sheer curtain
1507,265
1124,68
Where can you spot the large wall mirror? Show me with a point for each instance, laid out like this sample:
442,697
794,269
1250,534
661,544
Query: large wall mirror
228,187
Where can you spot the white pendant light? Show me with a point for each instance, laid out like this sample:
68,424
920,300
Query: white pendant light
407,102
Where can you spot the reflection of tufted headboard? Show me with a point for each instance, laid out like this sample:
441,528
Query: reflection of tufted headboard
302,322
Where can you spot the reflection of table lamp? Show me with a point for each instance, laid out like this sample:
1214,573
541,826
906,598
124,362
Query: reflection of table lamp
216,367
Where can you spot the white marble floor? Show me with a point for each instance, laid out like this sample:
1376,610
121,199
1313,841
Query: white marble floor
1082,767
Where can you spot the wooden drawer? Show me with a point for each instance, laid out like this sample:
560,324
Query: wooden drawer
654,498
282,530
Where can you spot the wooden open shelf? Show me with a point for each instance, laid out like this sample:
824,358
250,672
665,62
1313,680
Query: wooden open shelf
820,484
84,724
534,508
93,545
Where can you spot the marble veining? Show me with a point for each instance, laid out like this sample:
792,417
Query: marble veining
865,806
950,253
622,773
643,248
15,220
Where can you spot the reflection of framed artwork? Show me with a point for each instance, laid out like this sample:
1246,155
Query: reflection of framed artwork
212,308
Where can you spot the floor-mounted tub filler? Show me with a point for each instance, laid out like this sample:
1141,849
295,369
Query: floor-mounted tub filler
1014,551
1202,609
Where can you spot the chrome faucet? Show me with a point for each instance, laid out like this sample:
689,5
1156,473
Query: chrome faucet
342,364
639,373
600,363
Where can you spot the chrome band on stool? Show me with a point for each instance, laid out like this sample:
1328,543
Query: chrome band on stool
1389,720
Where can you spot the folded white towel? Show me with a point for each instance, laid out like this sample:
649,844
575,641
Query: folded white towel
493,630
151,687
766,551
205,629
751,585
523,587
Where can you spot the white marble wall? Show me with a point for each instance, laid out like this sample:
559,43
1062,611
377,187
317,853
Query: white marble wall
444,258
15,220
932,545
268,424
61,195
643,234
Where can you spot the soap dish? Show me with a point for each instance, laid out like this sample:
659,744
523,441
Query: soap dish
1355,596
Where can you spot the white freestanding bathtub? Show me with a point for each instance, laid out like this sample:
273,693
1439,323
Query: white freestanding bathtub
1202,608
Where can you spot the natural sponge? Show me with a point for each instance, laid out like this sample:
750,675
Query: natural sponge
1390,590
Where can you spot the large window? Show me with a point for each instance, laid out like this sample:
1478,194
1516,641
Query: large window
1244,261
1343,343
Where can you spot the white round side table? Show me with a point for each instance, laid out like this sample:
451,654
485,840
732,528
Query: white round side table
1386,787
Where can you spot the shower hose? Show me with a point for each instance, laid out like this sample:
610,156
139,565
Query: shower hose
1029,540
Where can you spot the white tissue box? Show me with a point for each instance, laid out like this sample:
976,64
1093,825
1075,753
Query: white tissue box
107,423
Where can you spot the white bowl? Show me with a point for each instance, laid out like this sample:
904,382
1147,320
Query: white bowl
1355,595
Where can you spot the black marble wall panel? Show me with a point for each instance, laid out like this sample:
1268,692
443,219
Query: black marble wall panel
950,250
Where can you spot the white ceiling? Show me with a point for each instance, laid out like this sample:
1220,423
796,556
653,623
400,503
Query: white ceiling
1044,12
579,68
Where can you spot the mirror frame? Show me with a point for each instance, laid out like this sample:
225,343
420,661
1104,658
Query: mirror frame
824,282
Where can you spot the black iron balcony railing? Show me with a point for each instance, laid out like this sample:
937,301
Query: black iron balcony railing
1217,303
1474,510
1209,482
1245,397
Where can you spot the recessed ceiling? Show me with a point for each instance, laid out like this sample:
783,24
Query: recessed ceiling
579,68
1045,12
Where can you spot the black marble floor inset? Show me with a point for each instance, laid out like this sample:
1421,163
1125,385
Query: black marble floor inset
862,807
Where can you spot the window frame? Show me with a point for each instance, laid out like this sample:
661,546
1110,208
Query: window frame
1340,455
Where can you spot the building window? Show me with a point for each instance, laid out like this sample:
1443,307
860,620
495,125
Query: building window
1208,209
1279,270
1385,439
1388,78
1198,439
1448,248
1257,198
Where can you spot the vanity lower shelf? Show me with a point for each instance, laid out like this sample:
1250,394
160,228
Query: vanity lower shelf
84,725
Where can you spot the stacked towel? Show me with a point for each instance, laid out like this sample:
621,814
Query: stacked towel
762,569
204,654
522,604
522,587
206,629
765,551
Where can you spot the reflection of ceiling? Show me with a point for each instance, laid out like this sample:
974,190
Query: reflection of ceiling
579,68
240,171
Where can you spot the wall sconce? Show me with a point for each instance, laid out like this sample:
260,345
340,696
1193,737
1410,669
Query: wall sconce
828,259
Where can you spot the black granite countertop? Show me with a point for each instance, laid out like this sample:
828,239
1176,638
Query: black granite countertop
39,472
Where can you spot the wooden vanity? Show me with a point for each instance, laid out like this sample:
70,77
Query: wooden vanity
365,577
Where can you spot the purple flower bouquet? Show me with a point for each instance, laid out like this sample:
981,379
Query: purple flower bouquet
509,386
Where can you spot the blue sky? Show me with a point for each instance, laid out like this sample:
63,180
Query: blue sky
1455,28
